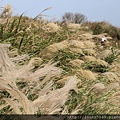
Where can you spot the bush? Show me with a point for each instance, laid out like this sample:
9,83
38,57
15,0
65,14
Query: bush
75,18
104,27
112,57
95,67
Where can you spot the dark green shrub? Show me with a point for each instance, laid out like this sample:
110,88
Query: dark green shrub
95,67
112,57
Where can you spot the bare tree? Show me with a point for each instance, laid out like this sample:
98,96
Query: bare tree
79,18
68,16
75,18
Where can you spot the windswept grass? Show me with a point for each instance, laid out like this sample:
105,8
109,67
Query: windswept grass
57,68
38,90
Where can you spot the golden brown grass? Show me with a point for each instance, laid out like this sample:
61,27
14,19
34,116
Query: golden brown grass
89,58
50,50
112,77
76,62
83,76
73,26
49,101
91,52
86,74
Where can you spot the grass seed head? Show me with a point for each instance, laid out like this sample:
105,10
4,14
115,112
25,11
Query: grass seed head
87,74
76,44
76,50
89,44
7,11
86,36
89,58
91,52
115,98
52,27
111,76
49,50
76,62
104,54
113,85
101,62
73,26
98,87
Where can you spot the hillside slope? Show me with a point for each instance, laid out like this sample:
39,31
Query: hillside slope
48,67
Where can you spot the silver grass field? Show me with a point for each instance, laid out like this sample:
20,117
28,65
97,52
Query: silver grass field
48,67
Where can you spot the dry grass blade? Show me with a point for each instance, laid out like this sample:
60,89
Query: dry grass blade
101,62
19,58
14,105
71,83
87,74
90,52
52,102
73,26
39,15
5,62
26,69
51,49
115,99
89,58
76,50
2,106
52,28
48,69
113,85
77,44
7,68
46,89
46,9
23,100
111,76
98,87
4,84
7,83
89,44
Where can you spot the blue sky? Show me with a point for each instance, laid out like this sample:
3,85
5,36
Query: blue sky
94,10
